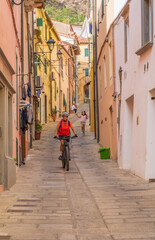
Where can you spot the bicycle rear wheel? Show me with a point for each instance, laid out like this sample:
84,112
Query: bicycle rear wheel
67,159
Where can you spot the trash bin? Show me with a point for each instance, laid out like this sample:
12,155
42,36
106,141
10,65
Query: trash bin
104,153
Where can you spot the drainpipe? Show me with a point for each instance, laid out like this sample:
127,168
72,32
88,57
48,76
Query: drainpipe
29,69
34,86
113,47
96,105
22,71
93,3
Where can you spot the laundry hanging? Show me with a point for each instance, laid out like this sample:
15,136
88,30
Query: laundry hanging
30,115
28,90
23,93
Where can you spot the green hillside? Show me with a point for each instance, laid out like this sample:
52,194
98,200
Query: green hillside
60,12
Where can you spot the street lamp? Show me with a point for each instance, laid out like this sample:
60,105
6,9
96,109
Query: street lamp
59,54
15,2
51,43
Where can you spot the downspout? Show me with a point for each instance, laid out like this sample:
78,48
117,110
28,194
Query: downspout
96,79
22,73
29,69
94,101
34,86
113,47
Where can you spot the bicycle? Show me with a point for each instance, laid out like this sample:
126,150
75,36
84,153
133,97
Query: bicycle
65,152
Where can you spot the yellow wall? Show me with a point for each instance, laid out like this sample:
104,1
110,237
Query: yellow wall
84,63
43,57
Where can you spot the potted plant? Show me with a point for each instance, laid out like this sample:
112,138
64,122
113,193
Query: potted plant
38,130
54,112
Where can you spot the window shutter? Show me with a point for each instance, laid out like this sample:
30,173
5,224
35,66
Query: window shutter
102,8
35,69
86,72
39,22
86,52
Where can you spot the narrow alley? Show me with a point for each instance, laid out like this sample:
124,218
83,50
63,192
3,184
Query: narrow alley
95,200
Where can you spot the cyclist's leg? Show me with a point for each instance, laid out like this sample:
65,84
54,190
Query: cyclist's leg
61,148
61,145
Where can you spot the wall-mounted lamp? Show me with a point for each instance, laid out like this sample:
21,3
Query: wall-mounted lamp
51,43
17,2
59,54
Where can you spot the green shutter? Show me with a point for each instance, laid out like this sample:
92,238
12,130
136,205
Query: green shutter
86,72
39,22
35,69
86,52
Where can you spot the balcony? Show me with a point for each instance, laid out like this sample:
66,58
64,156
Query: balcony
30,5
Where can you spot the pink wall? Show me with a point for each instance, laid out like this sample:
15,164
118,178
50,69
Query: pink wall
133,138
10,47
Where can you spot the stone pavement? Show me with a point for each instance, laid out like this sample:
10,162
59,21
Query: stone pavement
95,200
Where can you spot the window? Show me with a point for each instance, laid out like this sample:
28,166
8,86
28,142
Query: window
110,61
86,52
126,39
102,8
147,21
105,72
86,72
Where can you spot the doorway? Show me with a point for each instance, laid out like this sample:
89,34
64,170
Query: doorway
111,132
150,140
128,132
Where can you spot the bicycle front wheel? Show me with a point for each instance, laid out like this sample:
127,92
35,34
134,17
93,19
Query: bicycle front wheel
67,159
63,158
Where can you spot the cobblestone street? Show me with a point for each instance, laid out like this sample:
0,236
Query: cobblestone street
95,200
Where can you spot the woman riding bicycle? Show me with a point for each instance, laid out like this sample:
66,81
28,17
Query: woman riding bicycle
63,130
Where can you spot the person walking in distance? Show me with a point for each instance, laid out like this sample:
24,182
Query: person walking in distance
84,118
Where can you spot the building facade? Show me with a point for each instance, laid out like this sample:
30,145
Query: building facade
136,87
106,78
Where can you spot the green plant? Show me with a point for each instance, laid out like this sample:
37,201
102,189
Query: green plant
38,126
54,111
64,14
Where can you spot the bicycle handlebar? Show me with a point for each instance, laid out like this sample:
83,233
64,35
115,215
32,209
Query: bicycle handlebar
65,138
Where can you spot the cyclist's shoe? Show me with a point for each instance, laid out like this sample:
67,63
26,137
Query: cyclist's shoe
60,157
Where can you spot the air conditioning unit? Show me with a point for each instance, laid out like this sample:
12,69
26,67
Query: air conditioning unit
38,82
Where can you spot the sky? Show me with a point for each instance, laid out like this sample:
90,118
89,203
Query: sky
118,4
